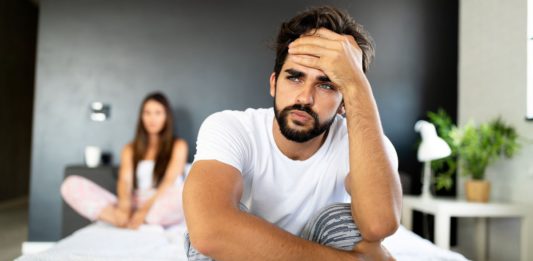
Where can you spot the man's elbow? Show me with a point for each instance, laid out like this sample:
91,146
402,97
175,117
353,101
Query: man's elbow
379,230
202,233
202,240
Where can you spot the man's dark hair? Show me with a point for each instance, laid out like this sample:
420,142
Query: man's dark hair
324,16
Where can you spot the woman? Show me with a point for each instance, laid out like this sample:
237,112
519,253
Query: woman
153,195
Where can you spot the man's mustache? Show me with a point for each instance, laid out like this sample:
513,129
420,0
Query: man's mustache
301,107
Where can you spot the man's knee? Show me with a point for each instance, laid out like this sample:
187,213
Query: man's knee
333,226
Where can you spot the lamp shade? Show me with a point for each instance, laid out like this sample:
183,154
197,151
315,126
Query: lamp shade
432,146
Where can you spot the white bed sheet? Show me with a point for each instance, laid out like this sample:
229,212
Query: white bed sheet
102,242
405,245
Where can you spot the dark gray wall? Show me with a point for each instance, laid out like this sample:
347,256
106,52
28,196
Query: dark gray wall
18,33
208,56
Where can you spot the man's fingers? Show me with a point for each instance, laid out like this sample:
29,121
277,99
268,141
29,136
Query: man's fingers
327,38
325,33
306,60
349,40
344,43
352,40
310,49
319,41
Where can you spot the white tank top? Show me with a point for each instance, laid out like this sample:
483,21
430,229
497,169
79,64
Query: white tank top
145,175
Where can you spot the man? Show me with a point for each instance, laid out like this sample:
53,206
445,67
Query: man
268,184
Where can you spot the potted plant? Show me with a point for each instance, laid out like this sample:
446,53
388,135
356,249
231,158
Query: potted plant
445,168
479,146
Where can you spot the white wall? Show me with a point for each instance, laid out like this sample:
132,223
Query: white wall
492,82
530,60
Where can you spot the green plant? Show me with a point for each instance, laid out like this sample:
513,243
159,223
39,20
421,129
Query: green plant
479,146
445,168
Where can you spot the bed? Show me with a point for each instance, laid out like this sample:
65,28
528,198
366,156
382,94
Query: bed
102,242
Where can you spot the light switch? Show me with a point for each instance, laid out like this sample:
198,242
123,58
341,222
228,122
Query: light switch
100,111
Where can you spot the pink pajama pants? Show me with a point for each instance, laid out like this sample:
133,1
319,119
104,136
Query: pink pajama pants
89,199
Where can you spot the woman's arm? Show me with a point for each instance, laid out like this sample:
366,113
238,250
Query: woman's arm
125,179
124,186
175,167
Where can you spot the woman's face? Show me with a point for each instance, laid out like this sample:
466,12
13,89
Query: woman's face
153,117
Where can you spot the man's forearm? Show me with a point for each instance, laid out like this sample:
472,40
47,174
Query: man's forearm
248,237
374,183
219,229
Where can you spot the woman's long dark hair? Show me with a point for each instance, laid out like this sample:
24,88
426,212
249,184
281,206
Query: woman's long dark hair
166,140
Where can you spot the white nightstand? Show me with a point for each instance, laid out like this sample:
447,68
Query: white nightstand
443,209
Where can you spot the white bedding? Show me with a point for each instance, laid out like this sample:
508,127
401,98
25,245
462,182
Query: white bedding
405,245
101,242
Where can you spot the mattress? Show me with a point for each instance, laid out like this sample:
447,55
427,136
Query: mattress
102,242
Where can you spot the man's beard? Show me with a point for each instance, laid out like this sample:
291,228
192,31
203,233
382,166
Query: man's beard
300,135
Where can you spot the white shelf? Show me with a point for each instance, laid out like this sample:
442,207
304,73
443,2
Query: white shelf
444,209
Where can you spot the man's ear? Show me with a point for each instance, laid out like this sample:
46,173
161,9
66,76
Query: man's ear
273,84
341,110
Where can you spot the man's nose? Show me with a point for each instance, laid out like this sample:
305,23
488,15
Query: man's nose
306,95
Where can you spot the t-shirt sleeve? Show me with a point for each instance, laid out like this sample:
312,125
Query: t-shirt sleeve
391,152
223,137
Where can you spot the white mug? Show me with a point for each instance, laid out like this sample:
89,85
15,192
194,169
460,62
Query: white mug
92,156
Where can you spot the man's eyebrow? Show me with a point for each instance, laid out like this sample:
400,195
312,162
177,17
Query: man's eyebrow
323,78
298,74
295,73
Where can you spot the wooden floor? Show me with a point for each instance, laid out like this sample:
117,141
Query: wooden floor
13,228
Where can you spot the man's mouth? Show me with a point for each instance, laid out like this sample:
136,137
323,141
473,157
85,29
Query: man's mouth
300,116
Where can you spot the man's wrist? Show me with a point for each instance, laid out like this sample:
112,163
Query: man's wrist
352,99
358,96
349,92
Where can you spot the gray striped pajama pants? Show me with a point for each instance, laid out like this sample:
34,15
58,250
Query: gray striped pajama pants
332,226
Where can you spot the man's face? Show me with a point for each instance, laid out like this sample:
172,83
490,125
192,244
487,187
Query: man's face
305,101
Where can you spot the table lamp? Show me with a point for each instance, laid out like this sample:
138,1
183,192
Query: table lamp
431,148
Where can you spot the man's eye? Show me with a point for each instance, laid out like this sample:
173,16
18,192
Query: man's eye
326,86
293,78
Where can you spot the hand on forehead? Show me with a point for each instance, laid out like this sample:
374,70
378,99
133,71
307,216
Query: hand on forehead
322,32
336,55
326,34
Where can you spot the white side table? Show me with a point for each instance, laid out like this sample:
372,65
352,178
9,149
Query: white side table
444,209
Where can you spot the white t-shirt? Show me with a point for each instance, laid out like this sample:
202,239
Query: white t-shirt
278,189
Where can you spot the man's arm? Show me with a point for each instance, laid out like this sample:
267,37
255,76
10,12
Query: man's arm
218,229
373,180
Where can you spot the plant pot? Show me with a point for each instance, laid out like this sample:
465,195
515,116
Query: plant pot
477,190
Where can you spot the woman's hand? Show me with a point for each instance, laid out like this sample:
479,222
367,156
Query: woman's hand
122,217
137,219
